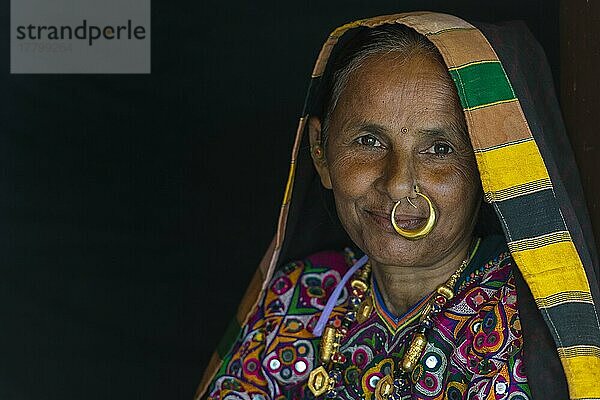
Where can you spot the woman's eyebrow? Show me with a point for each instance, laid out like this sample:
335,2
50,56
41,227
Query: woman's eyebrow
371,127
448,132
436,132
433,131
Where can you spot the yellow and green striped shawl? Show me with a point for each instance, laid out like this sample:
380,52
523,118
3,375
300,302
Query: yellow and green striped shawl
515,181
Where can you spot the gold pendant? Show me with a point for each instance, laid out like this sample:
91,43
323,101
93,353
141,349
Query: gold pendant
384,388
364,310
414,352
445,291
319,382
327,346
360,285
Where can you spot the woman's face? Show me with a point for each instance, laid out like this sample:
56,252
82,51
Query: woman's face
398,123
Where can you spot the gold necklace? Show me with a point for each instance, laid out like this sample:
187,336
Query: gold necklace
324,380
390,387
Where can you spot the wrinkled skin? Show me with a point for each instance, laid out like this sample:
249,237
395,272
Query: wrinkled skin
398,123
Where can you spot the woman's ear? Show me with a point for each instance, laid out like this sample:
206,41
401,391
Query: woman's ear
317,151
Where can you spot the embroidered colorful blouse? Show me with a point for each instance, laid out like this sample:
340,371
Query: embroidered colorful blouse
474,350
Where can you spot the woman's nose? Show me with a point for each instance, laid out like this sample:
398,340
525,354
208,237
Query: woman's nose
398,177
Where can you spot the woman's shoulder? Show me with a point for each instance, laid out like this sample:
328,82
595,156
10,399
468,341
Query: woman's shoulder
276,350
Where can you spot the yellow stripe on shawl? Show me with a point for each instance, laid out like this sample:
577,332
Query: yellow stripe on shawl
552,269
579,351
505,167
287,195
563,298
581,384
520,190
539,241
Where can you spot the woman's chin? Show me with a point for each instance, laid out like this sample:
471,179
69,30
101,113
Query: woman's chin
391,248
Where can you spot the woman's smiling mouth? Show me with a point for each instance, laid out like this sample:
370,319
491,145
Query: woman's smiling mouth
404,221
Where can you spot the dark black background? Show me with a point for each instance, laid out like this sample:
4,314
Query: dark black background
135,208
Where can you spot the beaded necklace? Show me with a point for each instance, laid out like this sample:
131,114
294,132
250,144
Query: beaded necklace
324,379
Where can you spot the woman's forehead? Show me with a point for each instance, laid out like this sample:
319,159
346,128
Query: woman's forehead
394,88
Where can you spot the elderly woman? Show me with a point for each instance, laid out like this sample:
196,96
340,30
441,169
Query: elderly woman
416,136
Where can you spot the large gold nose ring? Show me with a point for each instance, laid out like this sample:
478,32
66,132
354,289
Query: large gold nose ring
419,233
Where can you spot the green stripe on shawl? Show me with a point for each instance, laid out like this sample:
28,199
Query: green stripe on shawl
482,83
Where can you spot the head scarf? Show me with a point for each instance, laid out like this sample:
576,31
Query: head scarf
529,179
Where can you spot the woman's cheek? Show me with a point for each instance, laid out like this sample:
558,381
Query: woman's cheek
351,177
450,187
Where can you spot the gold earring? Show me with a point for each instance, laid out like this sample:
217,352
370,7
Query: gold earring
317,150
419,233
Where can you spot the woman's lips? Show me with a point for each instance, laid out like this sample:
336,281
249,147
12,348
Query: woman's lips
404,221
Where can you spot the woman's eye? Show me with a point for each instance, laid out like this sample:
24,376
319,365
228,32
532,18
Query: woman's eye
440,149
369,140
